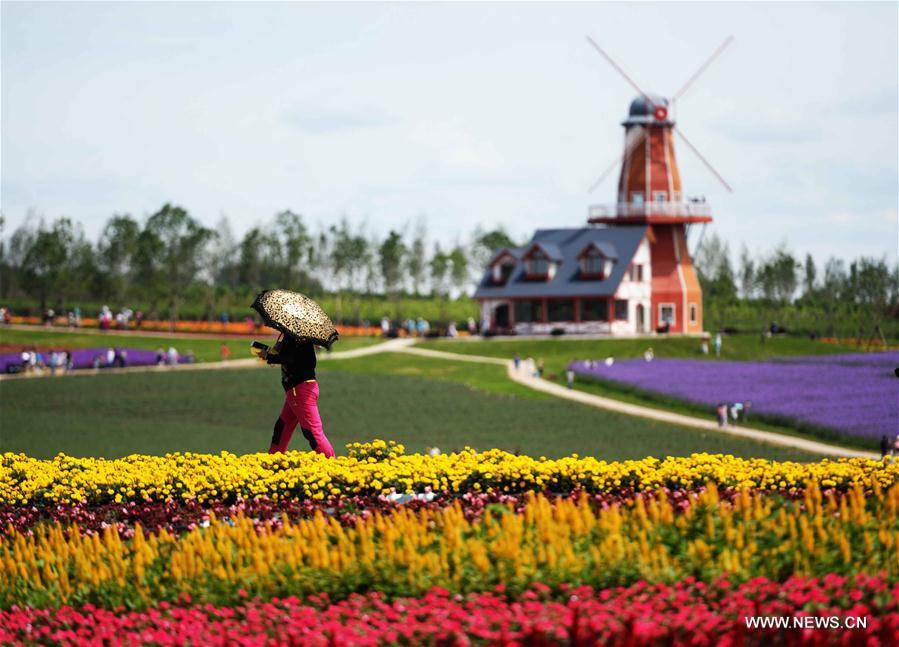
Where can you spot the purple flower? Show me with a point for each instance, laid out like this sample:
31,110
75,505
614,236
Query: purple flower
854,394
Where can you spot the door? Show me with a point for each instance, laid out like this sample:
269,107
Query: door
641,326
501,316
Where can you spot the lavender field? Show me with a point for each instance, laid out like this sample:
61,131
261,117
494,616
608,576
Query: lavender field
854,394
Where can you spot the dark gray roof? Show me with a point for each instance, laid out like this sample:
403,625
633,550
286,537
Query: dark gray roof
514,252
619,242
608,250
550,249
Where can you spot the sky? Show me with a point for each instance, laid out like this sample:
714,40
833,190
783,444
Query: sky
461,115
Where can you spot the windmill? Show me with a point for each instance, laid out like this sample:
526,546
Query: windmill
656,118
650,195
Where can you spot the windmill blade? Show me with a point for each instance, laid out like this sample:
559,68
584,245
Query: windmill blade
619,70
702,68
629,148
703,160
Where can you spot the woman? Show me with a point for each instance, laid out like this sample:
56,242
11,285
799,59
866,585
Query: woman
297,360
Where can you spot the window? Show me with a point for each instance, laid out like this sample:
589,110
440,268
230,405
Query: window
528,311
693,313
537,265
560,310
637,197
666,313
503,272
660,196
594,310
621,309
594,265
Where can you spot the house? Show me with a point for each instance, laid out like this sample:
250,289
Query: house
627,272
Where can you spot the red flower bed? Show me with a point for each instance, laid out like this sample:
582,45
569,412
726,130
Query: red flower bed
179,516
687,613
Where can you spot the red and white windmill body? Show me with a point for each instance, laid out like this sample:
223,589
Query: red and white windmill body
650,193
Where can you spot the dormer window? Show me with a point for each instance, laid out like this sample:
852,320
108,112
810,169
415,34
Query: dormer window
502,271
594,264
502,267
537,265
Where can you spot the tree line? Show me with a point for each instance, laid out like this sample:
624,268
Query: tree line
858,298
171,258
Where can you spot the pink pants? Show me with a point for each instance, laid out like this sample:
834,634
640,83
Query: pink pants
300,407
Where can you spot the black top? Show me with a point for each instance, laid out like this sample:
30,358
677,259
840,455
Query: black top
297,360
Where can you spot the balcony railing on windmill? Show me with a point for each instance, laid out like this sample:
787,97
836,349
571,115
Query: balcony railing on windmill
633,210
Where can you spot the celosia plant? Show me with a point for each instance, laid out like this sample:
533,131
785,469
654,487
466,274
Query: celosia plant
406,553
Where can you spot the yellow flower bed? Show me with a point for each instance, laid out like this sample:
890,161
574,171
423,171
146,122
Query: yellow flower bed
407,553
25,480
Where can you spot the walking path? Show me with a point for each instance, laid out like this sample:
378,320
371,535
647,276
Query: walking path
525,378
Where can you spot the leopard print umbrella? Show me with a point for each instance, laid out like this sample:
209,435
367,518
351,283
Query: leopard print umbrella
295,314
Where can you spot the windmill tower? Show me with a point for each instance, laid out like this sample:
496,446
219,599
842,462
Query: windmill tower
650,194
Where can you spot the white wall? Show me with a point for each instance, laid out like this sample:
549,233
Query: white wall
636,292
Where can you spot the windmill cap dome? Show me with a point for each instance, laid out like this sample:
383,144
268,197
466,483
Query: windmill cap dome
640,107
651,109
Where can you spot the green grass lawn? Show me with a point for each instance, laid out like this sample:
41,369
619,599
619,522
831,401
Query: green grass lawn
417,401
205,349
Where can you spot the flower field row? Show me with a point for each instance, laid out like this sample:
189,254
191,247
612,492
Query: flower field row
687,613
306,475
407,553
177,516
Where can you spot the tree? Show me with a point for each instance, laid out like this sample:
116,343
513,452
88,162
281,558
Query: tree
180,241
260,261
391,255
440,268
116,252
809,276
833,287
872,291
416,261
149,269
778,278
485,243
223,267
349,256
341,260
747,273
81,275
459,271
45,262
715,272
295,244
